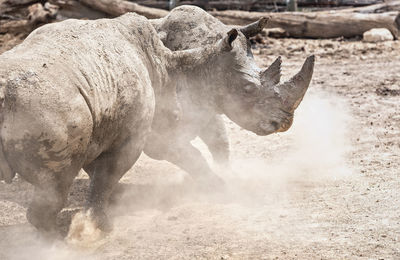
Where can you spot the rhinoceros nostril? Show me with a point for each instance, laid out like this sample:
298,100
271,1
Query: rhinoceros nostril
275,124
269,127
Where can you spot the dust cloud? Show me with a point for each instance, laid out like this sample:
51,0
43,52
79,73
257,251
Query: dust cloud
318,145
312,152
30,246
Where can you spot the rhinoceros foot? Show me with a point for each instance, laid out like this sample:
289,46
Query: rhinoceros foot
88,227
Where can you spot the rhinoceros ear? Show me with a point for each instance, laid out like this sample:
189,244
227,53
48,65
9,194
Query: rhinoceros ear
254,28
229,39
232,35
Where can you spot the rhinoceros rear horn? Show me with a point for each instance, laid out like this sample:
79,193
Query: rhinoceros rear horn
272,75
254,28
292,91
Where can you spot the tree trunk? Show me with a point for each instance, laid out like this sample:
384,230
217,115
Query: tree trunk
7,6
37,15
377,8
118,7
75,9
256,5
345,23
318,24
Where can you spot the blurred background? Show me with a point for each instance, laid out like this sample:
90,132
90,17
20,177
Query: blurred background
288,18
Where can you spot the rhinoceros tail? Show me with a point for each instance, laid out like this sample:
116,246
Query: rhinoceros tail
6,173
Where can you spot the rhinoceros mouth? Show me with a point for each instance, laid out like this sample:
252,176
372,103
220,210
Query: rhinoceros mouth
286,121
285,125
266,128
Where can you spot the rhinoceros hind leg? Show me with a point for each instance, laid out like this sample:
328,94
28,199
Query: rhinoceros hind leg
186,157
48,200
105,172
215,137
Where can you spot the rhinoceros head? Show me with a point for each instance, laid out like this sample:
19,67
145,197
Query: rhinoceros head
254,98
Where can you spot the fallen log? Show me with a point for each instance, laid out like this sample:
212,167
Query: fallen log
377,8
295,24
118,7
300,25
37,14
7,6
15,26
317,25
255,5
76,9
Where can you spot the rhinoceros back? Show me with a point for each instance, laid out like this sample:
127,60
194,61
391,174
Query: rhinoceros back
103,59
94,56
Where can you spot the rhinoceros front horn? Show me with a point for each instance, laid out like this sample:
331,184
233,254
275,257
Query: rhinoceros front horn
292,91
254,28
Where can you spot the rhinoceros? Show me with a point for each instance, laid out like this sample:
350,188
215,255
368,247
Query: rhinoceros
234,85
85,94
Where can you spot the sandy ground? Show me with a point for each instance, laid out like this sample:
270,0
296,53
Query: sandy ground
329,188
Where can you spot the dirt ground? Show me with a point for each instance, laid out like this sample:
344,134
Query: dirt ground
329,188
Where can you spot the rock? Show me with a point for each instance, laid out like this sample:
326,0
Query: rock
378,35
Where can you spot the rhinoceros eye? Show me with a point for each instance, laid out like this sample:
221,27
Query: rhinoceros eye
249,89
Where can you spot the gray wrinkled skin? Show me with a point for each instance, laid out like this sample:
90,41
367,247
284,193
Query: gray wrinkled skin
83,94
232,85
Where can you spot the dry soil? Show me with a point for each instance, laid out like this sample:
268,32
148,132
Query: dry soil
329,188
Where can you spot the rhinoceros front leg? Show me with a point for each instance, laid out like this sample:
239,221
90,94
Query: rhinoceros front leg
185,156
105,172
215,137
